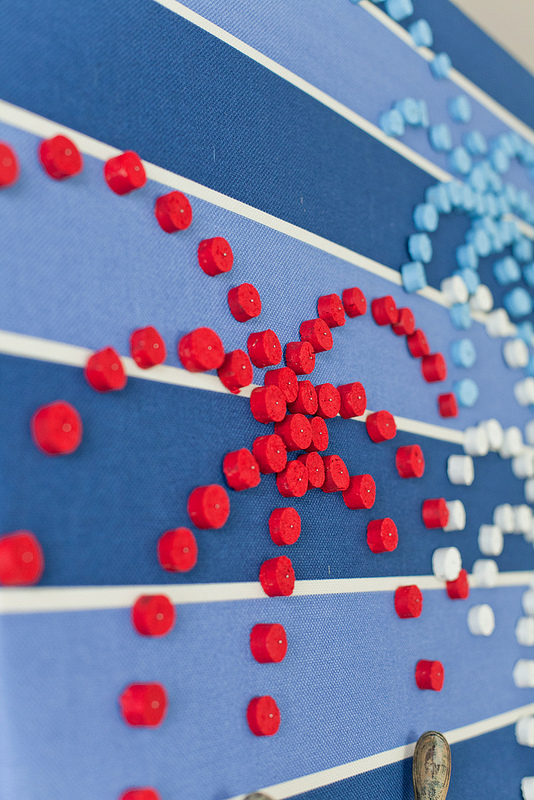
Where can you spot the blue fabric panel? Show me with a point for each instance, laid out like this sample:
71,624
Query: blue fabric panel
346,690
100,511
123,271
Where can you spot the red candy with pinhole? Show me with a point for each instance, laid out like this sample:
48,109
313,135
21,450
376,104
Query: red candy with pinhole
337,478
435,513
124,173
293,480
173,212
384,310
405,324
320,435
208,506
410,461
241,470
9,166
144,704
57,428
408,602
329,401
316,470
382,536
215,256
306,401
434,368
429,675
177,550
361,492
268,643
264,348
330,310
286,380
21,559
448,405
317,333
354,302
104,371
284,525
277,577
267,404
418,344
263,716
459,589
353,400
244,302
236,371
381,426
153,615
270,453
147,347
300,356
295,431
60,158
201,350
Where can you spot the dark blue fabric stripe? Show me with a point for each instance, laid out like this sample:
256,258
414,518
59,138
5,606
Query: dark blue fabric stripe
188,102
478,56
100,511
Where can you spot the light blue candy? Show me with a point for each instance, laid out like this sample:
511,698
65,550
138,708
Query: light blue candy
425,117
421,33
522,249
525,331
399,9
499,160
486,223
504,142
523,200
497,244
530,366
480,205
492,207
468,199
460,315
518,302
480,241
459,108
528,273
420,247
477,178
503,205
426,217
460,161
510,193
410,110
413,276
506,231
466,256
440,138
526,155
437,195
463,353
475,143
516,142
470,278
506,271
466,392
392,122
494,181
440,66
456,193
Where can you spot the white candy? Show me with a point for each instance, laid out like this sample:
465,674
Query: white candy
529,431
523,465
476,442
456,511
446,563
524,731
524,631
527,601
527,788
529,491
522,519
485,572
524,674
494,432
454,289
515,353
524,392
490,540
461,470
482,300
481,620
512,442
529,535
504,517
498,323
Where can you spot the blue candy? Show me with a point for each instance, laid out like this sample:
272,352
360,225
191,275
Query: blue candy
530,366
463,353
425,118
468,199
506,231
460,161
528,273
460,315
410,110
455,191
477,178
440,137
470,278
466,256
522,249
440,66
525,331
420,247
500,160
421,33
504,142
466,392
475,143
413,276
492,207
506,271
510,192
480,241
518,302
399,9
437,195
459,108
479,206
426,217
503,205
392,122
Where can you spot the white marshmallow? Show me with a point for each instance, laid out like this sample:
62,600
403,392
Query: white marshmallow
512,442
485,572
515,353
446,563
490,540
476,442
524,731
523,465
527,788
524,631
529,491
527,601
461,470
522,519
456,511
498,323
494,432
454,289
504,517
524,674
481,620
482,299
524,391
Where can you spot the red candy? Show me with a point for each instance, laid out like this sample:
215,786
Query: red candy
319,435
57,428
408,602
208,506
144,704
384,310
295,431
284,526
124,173
316,470
293,480
353,400
410,461
434,368
60,158
263,716
9,166
300,356
267,404
382,536
201,350
104,371
317,333
361,492
153,615
458,589
244,302
264,349
448,405
241,470
435,513
236,371
429,675
277,577
354,302
330,310
417,344
173,212
21,559
381,426
329,401
268,643
270,453
337,477
147,347
405,324
286,380
177,550
215,256
306,402
146,793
